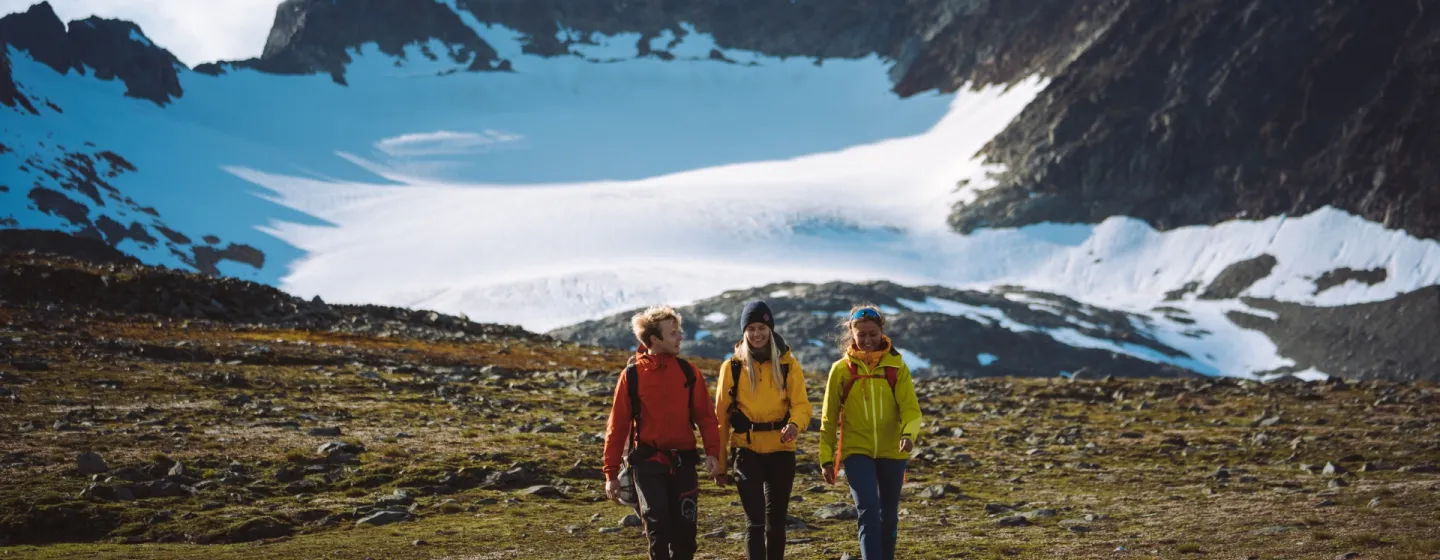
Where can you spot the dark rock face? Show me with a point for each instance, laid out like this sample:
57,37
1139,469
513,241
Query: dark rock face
88,174
57,204
107,46
1339,276
1393,339
312,36
60,243
1186,113
10,94
971,345
123,286
1239,276
205,258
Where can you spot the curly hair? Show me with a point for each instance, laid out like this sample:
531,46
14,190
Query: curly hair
646,324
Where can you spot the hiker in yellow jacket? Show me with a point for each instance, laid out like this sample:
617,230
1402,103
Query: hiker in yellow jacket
868,426
762,407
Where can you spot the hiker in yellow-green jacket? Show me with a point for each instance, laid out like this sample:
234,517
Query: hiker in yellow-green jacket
868,427
762,407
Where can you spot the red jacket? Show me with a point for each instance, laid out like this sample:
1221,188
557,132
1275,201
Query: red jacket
663,408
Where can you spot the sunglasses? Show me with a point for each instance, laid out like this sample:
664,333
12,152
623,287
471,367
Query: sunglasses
866,312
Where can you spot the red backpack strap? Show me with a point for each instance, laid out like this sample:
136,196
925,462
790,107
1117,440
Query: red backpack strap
849,382
892,374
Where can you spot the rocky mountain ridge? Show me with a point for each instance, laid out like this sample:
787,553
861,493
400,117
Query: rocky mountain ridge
1194,113
999,333
1010,331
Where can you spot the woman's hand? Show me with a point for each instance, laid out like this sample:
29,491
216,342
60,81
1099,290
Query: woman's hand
788,433
827,472
906,445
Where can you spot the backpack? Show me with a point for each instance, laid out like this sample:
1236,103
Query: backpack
891,374
628,495
632,380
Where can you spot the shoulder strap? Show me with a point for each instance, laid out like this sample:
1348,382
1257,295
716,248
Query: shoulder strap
632,382
689,384
734,383
849,381
892,374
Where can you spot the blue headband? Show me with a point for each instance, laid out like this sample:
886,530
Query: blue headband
865,312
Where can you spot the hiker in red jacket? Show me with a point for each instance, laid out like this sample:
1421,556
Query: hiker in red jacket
658,402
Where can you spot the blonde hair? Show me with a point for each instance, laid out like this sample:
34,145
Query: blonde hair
843,338
646,324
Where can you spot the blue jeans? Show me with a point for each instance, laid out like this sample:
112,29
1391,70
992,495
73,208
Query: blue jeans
875,486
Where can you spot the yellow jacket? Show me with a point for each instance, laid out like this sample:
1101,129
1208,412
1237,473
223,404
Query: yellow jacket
764,403
875,417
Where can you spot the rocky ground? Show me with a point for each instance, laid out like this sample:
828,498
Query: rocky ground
146,434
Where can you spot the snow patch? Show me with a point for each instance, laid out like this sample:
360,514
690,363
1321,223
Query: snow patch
986,359
138,38
715,317
701,334
913,360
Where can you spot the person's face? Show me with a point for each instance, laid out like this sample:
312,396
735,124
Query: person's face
867,336
757,335
668,342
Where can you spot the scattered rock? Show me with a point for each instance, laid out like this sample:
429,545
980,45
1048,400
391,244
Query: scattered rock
1422,469
385,518
331,431
1338,483
837,511
543,491
91,463
937,491
1332,468
606,530
398,499
995,509
716,534
1013,521
631,520
1132,435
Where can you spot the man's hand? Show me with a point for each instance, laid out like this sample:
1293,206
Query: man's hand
612,491
906,445
712,464
828,473
788,433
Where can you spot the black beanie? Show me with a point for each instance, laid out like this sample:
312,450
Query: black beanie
756,312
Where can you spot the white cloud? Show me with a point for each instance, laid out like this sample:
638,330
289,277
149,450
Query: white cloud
443,142
196,31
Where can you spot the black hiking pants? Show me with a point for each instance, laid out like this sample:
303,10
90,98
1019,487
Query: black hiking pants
668,508
765,481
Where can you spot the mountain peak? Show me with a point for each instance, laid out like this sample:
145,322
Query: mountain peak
315,36
111,48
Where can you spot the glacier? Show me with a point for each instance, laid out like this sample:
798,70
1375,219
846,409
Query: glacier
571,189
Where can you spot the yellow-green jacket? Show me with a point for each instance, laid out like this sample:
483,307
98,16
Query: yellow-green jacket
763,403
875,417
